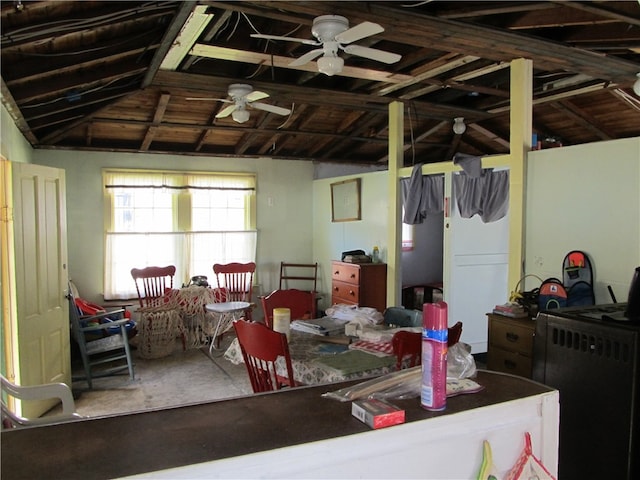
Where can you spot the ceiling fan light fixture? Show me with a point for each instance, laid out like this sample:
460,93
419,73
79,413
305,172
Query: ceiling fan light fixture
458,126
330,65
240,115
636,86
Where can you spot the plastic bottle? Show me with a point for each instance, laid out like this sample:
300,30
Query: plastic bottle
375,256
433,395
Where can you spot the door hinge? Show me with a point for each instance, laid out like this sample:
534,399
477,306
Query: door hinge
6,214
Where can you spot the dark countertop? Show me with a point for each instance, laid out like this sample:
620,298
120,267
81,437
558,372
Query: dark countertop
116,446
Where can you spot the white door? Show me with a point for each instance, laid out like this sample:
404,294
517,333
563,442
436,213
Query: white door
476,271
40,348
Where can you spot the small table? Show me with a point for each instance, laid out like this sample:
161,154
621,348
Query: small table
226,313
306,349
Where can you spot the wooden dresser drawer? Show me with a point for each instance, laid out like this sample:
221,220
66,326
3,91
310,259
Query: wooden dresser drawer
512,336
509,362
343,301
346,273
345,292
362,284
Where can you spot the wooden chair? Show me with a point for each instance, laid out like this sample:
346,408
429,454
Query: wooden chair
152,283
36,392
111,351
237,279
260,348
302,304
299,272
406,343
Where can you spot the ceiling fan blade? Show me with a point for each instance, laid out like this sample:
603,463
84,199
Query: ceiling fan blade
307,57
256,95
270,108
372,53
226,111
360,31
286,39
209,99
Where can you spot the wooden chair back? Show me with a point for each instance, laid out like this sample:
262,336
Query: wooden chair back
152,283
298,272
406,343
302,304
237,278
260,348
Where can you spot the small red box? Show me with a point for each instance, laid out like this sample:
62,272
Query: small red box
377,413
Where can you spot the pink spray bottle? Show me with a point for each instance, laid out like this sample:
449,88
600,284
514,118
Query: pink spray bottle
434,356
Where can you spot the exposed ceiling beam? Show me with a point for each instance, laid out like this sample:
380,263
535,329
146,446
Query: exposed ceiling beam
168,38
257,58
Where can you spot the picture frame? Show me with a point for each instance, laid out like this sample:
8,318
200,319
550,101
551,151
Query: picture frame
345,201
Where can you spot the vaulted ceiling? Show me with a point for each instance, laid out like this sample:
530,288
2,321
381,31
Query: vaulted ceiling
126,77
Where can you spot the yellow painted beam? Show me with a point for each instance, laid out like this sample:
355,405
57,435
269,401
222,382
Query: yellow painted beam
394,238
520,142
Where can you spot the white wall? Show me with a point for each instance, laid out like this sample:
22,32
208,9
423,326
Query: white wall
585,197
330,239
13,145
284,200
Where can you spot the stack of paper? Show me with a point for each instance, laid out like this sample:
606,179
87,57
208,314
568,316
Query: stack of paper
319,326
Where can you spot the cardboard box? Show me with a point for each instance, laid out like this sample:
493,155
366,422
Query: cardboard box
377,413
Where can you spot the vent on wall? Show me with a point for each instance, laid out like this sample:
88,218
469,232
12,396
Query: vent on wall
589,343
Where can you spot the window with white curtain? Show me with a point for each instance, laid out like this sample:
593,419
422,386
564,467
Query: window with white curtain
187,219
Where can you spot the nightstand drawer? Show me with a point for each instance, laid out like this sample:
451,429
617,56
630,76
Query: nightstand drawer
346,273
509,362
512,336
345,291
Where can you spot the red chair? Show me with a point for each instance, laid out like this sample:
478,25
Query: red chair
407,343
237,279
260,348
152,283
302,304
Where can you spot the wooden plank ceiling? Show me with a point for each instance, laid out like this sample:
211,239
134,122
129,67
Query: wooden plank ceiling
92,75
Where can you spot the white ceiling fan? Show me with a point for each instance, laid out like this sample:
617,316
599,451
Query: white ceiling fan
243,96
333,34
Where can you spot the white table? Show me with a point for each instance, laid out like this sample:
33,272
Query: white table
226,313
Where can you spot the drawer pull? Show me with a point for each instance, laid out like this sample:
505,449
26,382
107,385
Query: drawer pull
353,275
335,289
512,337
510,364
352,293
337,272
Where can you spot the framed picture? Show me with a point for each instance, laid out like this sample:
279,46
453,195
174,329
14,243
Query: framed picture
345,201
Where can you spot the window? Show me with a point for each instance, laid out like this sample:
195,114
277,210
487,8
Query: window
190,220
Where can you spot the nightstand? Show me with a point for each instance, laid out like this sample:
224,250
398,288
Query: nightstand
510,347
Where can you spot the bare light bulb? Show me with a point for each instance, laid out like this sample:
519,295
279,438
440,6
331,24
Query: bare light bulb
240,116
458,126
636,86
330,65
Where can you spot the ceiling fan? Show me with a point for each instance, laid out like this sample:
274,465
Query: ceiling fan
334,34
243,96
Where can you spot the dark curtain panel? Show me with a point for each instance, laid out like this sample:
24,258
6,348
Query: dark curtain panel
486,195
421,195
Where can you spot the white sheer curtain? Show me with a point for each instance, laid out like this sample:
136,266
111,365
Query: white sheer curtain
191,253
226,238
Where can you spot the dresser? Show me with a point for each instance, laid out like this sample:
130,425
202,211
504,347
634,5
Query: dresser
362,284
510,344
